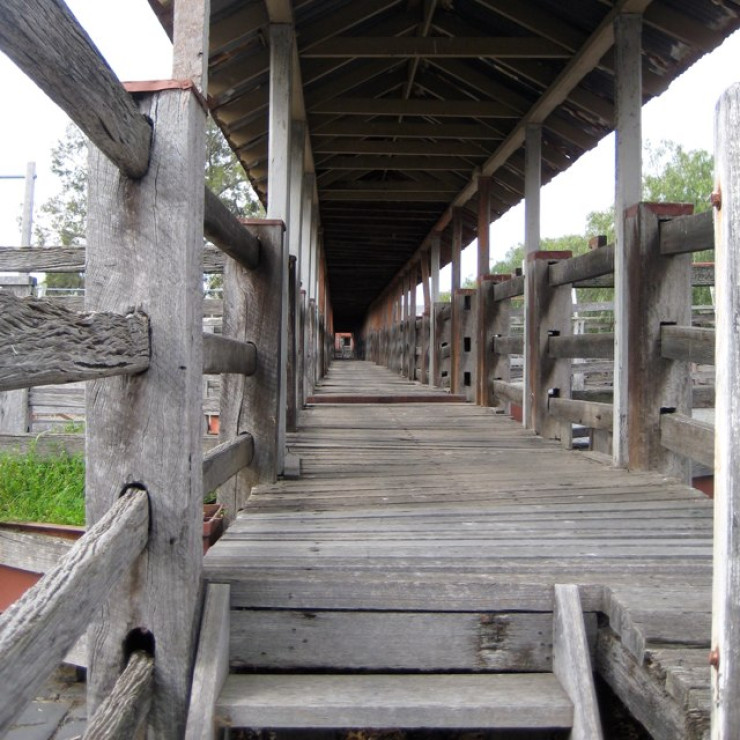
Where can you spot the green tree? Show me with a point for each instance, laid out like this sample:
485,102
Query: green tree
63,217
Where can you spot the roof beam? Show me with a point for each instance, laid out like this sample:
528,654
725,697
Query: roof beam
469,131
390,196
421,163
413,107
404,147
436,46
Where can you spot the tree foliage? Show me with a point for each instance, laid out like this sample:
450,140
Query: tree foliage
62,219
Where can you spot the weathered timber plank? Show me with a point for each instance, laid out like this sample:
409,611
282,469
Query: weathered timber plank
687,343
508,345
37,631
211,663
684,234
582,345
572,662
44,445
586,266
509,289
391,701
225,230
226,460
647,699
688,437
35,552
125,710
225,355
137,232
42,259
590,414
393,641
43,343
44,39
726,594
513,392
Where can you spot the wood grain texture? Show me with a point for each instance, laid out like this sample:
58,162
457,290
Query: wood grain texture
225,230
43,343
588,413
654,383
252,312
586,266
688,437
388,701
572,663
35,552
582,345
148,428
44,39
42,259
726,594
509,289
37,631
125,710
224,355
226,460
687,343
211,664
694,233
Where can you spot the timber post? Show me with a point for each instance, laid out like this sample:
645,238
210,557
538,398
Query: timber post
726,589
495,317
253,312
548,310
465,341
146,430
291,413
660,295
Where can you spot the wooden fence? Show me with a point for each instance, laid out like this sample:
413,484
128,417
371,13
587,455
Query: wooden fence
140,349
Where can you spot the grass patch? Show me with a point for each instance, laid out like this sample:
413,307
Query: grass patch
42,489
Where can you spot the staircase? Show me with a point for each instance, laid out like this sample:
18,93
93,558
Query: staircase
301,668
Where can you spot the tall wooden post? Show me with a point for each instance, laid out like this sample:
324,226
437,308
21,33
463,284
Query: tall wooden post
726,589
484,222
304,261
291,411
549,310
146,430
628,96
660,293
456,283
411,323
278,206
425,321
532,187
494,316
434,285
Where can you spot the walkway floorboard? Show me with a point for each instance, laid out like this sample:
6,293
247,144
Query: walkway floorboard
425,509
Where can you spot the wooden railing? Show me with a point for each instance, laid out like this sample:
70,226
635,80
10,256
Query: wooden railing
139,346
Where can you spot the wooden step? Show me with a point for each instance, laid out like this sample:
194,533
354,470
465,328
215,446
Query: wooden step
444,701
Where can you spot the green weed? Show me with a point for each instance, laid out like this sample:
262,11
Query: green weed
42,489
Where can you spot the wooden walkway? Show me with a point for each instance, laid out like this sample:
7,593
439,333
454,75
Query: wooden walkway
428,537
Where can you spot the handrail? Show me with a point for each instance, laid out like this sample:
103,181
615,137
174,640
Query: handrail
688,437
127,706
224,355
101,107
687,343
582,345
226,460
42,343
586,266
685,234
38,630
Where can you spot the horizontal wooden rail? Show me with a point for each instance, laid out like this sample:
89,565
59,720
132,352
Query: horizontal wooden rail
509,288
688,437
586,266
225,230
688,343
687,234
127,706
42,259
39,629
508,345
42,343
512,392
701,275
224,355
582,345
702,396
589,414
226,460
46,42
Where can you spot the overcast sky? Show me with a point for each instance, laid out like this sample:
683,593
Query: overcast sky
135,46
